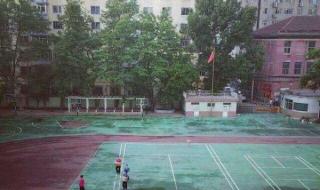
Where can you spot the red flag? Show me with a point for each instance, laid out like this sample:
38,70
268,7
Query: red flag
212,56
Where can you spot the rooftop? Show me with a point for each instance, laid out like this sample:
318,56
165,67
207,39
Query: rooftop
304,92
293,27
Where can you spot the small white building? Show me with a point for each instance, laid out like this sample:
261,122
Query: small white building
201,103
301,103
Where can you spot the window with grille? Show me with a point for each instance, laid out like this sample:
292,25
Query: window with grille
56,9
297,68
285,68
186,10
95,25
57,25
95,10
287,47
311,45
288,103
300,106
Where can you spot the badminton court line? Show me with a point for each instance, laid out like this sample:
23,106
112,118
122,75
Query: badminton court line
123,155
304,185
115,177
226,170
261,172
278,162
174,178
220,168
309,165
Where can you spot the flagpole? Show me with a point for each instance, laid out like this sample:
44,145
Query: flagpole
212,80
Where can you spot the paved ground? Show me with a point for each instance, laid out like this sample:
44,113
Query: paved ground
53,163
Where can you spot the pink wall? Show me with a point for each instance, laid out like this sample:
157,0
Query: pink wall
271,78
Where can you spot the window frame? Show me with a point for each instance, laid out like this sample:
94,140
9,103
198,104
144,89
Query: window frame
297,68
95,9
287,47
285,70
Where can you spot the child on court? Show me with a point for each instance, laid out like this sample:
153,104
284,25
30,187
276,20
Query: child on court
117,164
125,179
81,183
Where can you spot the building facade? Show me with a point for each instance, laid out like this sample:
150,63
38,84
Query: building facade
302,103
286,44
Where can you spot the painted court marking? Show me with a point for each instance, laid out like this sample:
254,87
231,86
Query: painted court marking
262,173
220,168
278,162
174,178
309,165
304,185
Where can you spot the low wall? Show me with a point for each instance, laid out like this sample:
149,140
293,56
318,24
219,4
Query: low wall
209,113
296,114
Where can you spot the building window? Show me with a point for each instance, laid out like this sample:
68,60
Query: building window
288,104
185,41
300,106
285,68
265,10
186,11
297,68
211,104
194,103
148,10
166,10
95,25
95,10
288,11
309,65
56,9
311,45
57,25
183,28
287,47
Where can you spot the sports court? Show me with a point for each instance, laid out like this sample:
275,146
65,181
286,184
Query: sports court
191,166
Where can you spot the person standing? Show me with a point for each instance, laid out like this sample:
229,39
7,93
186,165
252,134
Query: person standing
81,183
117,164
125,179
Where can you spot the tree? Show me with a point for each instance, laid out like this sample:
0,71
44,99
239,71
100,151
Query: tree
21,36
119,34
223,25
75,66
312,78
164,69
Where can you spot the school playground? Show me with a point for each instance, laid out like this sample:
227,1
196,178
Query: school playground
191,166
249,152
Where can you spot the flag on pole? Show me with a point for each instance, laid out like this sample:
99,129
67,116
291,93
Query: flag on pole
212,56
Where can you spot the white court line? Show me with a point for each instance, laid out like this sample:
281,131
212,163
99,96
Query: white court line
264,173
174,178
115,177
278,162
310,164
220,168
304,185
306,164
285,167
123,155
225,169
257,170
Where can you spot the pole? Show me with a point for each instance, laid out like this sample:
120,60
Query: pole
252,89
212,80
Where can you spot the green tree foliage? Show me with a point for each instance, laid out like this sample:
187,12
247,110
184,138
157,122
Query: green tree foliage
74,52
225,24
312,78
143,52
21,26
163,70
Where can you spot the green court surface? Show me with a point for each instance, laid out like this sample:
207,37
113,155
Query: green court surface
206,166
21,127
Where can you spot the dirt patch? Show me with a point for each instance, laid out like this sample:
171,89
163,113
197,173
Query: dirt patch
73,124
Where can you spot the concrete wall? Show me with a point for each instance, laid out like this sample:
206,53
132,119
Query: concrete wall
204,110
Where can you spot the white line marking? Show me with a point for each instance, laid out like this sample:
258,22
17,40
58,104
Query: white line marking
225,169
285,167
174,178
115,177
310,164
306,164
278,162
220,168
123,155
254,167
264,173
304,185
